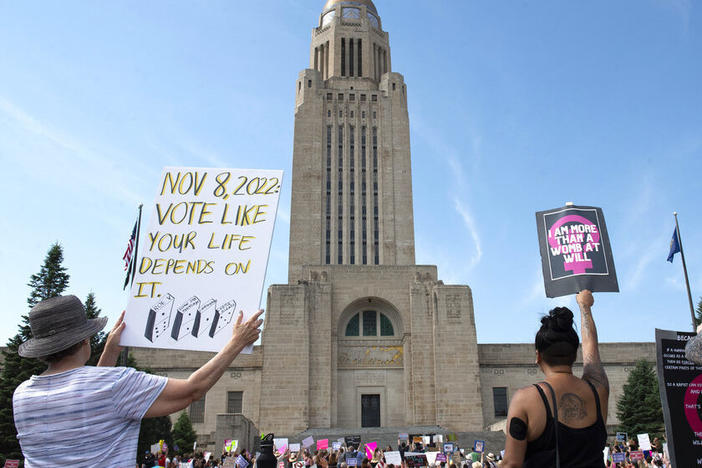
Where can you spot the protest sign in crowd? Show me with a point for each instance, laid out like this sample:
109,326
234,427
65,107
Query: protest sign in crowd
430,452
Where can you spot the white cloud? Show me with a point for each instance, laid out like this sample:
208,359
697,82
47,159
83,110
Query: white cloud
469,223
100,170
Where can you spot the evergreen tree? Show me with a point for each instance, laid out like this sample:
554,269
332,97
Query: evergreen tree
152,430
97,342
639,408
183,434
51,281
698,312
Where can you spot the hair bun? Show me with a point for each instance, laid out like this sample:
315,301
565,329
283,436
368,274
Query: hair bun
561,319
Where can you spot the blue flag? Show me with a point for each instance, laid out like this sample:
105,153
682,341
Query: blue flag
674,246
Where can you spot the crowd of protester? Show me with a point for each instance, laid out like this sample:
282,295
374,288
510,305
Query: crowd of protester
460,458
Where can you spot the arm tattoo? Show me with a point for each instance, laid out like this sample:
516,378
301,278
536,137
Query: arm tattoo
572,407
693,349
593,370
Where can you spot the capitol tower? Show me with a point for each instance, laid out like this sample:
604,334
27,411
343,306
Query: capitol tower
361,336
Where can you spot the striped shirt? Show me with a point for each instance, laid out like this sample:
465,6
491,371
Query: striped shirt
84,417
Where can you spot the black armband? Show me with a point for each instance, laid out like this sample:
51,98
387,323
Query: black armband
517,428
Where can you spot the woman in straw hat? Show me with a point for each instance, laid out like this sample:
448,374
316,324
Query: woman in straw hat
66,412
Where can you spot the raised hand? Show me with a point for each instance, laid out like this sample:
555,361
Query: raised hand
246,333
110,353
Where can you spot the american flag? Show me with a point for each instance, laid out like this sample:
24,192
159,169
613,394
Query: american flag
130,248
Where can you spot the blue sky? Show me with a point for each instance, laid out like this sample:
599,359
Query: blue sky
515,107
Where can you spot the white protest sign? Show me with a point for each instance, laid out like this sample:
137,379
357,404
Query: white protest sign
308,442
431,457
155,448
294,448
202,258
336,445
644,442
280,444
393,458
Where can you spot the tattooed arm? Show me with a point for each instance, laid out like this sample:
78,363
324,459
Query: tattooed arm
593,370
693,348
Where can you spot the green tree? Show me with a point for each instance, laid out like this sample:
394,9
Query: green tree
152,430
51,281
97,342
183,434
639,408
698,312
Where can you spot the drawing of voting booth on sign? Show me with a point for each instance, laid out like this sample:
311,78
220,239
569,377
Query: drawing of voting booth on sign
202,258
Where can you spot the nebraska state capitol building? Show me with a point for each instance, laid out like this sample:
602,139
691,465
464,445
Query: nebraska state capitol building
361,336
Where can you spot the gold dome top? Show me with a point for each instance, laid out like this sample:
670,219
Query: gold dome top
367,3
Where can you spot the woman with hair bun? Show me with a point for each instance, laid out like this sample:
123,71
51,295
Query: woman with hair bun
560,422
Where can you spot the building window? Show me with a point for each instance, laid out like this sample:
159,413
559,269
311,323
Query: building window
352,195
329,96
197,411
386,326
370,323
352,97
363,98
327,253
352,114
371,18
352,327
360,59
329,113
343,57
374,115
364,246
374,97
374,324
350,57
499,398
376,237
351,13
309,83
340,194
328,17
234,402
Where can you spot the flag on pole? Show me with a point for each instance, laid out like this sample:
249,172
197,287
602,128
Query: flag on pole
674,245
127,257
130,256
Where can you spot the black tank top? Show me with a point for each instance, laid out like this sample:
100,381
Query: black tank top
579,448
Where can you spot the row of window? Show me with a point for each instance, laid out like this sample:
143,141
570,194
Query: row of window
374,324
234,405
340,212
351,114
352,97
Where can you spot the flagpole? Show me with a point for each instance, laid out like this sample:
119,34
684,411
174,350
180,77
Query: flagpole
687,281
135,257
132,267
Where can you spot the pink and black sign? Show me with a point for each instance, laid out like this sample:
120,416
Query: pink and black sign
575,251
680,386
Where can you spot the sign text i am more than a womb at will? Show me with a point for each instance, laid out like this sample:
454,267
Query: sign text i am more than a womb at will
203,257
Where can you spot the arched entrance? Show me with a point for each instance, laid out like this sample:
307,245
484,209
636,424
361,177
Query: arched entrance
370,365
